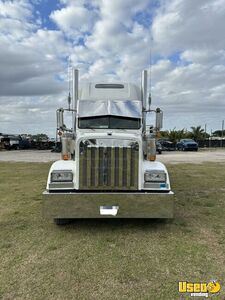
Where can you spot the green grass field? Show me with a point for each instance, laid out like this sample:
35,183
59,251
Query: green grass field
111,259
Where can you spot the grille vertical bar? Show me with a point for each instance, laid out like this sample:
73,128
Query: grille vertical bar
93,160
100,170
88,166
120,167
132,167
125,160
128,166
96,173
116,174
109,166
113,170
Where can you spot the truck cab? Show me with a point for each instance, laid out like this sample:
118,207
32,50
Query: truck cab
108,166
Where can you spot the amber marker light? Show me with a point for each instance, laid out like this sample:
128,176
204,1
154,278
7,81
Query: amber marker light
152,157
65,156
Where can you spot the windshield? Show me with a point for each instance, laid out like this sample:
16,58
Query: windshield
109,122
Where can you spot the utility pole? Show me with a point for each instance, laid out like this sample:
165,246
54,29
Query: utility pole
210,139
205,134
222,134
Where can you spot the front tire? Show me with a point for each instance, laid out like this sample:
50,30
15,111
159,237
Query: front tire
61,221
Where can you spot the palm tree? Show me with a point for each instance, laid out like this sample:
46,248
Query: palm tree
197,133
175,135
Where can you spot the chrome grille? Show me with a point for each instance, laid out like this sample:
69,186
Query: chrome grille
108,168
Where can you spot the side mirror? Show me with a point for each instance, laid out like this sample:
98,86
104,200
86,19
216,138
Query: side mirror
159,119
60,118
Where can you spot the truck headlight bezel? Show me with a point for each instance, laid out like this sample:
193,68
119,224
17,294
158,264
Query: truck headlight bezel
155,176
62,176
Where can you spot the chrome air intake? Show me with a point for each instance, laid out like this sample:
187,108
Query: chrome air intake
107,167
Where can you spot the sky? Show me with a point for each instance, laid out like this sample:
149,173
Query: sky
111,41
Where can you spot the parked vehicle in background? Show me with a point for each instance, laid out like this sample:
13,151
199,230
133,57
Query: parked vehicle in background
24,144
187,145
14,141
167,145
9,142
159,147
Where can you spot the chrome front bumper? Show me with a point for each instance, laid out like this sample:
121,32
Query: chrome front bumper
108,205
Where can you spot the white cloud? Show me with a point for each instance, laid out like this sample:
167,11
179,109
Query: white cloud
181,25
16,19
74,18
19,10
204,56
30,66
116,41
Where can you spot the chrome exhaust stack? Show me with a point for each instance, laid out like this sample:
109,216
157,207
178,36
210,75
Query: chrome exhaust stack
75,87
75,94
148,137
144,89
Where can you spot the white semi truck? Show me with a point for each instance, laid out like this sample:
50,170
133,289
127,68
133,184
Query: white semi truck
108,166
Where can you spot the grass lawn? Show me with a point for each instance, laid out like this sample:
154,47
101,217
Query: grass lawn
111,259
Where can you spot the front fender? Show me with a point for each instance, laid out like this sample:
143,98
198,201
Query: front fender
156,165
62,165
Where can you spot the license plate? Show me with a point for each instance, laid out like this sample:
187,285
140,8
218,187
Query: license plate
109,210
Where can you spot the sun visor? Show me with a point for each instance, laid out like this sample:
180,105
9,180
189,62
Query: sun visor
90,108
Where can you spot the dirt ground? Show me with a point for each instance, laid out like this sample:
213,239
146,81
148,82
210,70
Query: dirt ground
172,157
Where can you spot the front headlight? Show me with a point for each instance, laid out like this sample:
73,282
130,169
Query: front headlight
62,176
155,176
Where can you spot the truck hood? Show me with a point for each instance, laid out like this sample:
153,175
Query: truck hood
92,108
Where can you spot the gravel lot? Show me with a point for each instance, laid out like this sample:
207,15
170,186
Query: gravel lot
199,157
166,157
29,156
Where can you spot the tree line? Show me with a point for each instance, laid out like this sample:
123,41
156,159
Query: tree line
196,133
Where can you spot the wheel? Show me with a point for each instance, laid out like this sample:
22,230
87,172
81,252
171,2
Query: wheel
159,151
61,221
196,149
